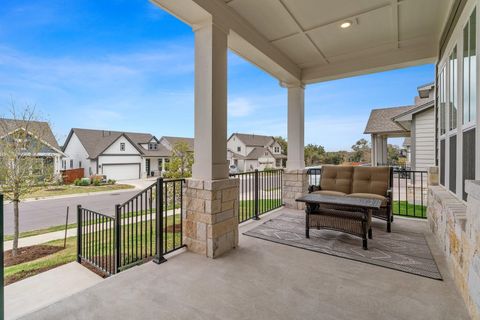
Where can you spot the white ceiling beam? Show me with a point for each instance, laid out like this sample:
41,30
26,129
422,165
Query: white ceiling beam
393,59
195,12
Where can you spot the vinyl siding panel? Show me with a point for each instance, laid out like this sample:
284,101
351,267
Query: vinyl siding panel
424,139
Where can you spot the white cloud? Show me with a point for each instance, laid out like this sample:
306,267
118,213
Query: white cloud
240,107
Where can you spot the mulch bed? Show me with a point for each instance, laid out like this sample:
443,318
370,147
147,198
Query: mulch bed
178,228
26,254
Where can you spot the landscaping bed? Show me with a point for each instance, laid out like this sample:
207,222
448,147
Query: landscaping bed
73,189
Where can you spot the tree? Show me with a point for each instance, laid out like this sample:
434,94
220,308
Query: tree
361,151
21,164
180,165
313,154
283,144
393,154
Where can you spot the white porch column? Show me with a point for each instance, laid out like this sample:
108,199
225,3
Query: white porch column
295,180
211,197
210,151
296,127
374,150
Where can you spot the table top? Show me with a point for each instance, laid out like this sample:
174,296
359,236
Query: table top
341,200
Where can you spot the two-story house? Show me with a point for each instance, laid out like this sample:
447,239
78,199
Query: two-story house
118,155
250,151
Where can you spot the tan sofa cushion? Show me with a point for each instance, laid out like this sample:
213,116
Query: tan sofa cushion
374,180
337,178
369,196
329,193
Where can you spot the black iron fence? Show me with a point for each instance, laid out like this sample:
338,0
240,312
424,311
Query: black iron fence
259,192
145,227
409,191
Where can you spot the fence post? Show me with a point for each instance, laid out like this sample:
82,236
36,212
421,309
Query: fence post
79,234
256,191
159,258
117,236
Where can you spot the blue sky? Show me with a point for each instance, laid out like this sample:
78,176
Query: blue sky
126,65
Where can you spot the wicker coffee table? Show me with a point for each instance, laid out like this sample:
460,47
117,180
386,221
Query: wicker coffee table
346,214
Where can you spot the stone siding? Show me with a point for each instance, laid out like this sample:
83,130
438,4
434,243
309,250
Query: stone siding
457,229
210,222
295,185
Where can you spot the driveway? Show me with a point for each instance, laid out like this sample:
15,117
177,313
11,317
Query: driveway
39,214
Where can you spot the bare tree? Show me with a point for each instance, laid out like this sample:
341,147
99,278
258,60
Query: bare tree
22,167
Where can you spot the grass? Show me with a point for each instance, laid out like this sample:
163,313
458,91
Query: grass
30,268
72,189
247,207
402,208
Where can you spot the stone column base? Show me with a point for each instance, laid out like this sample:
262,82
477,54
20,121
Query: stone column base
295,185
210,223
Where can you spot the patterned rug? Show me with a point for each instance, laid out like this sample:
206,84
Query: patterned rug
399,250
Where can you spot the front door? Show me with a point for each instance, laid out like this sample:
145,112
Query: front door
147,165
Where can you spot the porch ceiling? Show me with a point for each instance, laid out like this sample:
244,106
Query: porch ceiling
304,38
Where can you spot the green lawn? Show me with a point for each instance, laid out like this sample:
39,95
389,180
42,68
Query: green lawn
402,208
132,234
247,207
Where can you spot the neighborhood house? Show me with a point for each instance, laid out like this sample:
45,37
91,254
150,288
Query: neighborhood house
118,155
248,152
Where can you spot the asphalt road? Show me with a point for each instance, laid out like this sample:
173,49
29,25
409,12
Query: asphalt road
39,214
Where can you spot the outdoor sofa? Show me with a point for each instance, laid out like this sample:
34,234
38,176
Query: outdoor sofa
360,182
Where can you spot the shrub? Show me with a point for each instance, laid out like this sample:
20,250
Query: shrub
96,182
76,182
84,182
111,181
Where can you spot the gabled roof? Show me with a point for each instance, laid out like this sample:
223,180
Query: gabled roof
254,140
96,142
381,120
174,140
39,129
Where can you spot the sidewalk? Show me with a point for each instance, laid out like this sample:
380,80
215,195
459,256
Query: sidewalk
31,294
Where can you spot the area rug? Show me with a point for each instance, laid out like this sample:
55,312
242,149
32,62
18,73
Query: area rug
398,250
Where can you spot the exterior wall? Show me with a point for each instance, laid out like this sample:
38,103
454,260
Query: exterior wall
210,220
423,140
295,185
76,152
456,227
114,148
234,143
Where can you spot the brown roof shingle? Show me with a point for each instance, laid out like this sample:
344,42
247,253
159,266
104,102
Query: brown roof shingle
380,120
40,129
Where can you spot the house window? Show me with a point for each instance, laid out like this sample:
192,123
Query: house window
468,158
469,70
452,169
79,164
443,100
90,171
277,149
122,146
71,164
442,162
152,146
453,90
239,149
64,164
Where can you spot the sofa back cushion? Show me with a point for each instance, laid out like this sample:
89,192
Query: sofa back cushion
337,178
374,180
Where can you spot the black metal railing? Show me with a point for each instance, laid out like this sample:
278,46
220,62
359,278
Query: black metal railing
259,192
96,238
410,193
145,227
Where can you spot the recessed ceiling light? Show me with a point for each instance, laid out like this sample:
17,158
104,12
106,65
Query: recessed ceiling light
346,24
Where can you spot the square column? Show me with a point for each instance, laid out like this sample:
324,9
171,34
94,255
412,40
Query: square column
211,198
296,127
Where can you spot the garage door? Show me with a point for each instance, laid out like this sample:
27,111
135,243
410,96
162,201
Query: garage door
122,171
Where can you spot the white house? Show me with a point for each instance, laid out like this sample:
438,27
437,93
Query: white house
50,153
415,122
118,155
249,152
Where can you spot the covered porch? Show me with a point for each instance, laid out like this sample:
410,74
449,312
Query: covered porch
266,280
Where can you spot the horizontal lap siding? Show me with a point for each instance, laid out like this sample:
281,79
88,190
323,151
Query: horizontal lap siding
424,139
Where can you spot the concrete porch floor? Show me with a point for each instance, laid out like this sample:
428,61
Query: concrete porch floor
265,280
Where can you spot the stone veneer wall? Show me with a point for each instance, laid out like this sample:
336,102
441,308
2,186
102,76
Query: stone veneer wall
210,222
456,227
295,184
